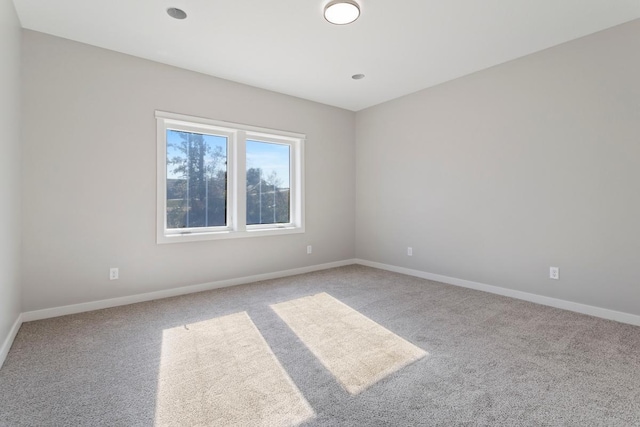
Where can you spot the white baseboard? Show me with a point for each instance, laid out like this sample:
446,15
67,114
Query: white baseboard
6,345
132,299
604,313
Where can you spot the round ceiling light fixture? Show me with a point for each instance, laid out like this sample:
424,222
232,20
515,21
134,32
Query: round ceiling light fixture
341,12
176,13
357,76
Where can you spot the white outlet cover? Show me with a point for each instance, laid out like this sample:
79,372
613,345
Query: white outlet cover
554,273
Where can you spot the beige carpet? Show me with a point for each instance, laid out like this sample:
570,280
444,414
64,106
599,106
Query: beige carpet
355,349
221,372
225,357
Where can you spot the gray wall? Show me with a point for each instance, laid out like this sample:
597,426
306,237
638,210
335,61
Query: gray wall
499,175
90,169
10,305
492,178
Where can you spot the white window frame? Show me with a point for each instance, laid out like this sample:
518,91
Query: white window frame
237,135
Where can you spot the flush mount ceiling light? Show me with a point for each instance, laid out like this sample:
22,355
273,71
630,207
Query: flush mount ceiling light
341,12
357,76
176,13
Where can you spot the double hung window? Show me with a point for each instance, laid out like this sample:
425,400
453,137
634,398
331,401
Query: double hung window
221,180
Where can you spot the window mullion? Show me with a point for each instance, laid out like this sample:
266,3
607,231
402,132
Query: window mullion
240,178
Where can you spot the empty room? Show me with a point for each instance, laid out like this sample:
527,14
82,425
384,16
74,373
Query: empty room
320,213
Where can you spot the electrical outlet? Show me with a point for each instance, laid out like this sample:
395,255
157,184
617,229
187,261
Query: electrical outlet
409,251
554,273
309,250
113,273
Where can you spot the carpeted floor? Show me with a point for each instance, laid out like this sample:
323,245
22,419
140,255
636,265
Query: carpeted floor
476,359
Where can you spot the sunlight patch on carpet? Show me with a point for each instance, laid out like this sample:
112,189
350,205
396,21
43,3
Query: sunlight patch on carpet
222,372
355,349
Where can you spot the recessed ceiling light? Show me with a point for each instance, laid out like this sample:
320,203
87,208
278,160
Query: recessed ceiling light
341,12
357,76
176,13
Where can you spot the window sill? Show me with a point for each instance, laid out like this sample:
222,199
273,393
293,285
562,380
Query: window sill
220,235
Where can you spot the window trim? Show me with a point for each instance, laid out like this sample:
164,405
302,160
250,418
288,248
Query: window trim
237,135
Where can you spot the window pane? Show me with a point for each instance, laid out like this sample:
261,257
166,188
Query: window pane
196,180
268,183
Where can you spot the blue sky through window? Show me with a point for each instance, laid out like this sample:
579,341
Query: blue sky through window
270,158
174,141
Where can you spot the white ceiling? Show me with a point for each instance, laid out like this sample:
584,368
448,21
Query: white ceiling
287,46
